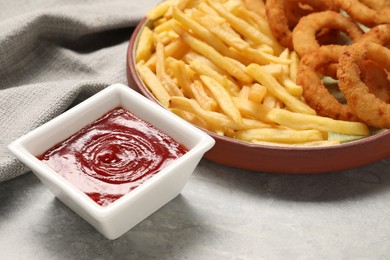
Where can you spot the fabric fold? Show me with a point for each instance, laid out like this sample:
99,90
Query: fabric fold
54,55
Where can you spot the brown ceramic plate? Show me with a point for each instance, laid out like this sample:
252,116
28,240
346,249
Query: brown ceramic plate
291,160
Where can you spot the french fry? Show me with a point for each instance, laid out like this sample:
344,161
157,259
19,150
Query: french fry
181,4
263,58
160,59
215,120
285,80
159,22
244,92
190,117
145,43
205,8
294,66
223,98
257,93
203,69
231,39
248,123
240,25
215,57
252,109
279,135
163,26
175,49
285,55
153,83
274,87
238,43
276,70
252,16
202,32
230,5
257,6
193,4
183,77
236,63
303,144
270,101
204,100
292,87
325,124
159,10
166,37
170,85
266,49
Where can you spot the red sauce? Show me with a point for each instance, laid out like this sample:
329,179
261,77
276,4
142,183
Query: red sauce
113,155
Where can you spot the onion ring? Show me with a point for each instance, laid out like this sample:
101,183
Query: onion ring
316,95
367,12
295,11
377,76
369,108
376,79
283,15
304,34
379,34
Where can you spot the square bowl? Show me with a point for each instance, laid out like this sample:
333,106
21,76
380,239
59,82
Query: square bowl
120,216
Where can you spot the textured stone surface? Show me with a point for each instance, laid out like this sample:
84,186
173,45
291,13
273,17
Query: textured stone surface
222,213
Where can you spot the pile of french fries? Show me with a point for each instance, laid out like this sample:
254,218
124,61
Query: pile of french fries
216,64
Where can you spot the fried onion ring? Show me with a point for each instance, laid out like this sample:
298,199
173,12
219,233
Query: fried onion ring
365,105
367,12
310,73
373,75
376,79
283,15
379,34
304,34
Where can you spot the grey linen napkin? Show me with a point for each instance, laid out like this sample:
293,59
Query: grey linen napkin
55,53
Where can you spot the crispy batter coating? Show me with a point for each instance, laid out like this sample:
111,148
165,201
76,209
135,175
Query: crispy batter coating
367,106
379,34
310,73
367,12
283,15
304,34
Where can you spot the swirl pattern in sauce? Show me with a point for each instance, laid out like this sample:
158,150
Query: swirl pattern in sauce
112,155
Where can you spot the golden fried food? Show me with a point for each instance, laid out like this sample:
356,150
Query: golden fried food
368,107
367,12
316,94
304,35
218,65
283,16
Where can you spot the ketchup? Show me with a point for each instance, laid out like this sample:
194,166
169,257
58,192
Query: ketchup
113,155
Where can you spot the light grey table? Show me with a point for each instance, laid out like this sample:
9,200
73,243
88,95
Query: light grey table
222,213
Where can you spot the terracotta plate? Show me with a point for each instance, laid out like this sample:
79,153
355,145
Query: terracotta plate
290,160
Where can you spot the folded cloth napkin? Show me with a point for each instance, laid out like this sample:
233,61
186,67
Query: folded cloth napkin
55,53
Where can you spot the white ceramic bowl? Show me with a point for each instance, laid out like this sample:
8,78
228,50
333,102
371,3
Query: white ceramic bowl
123,214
